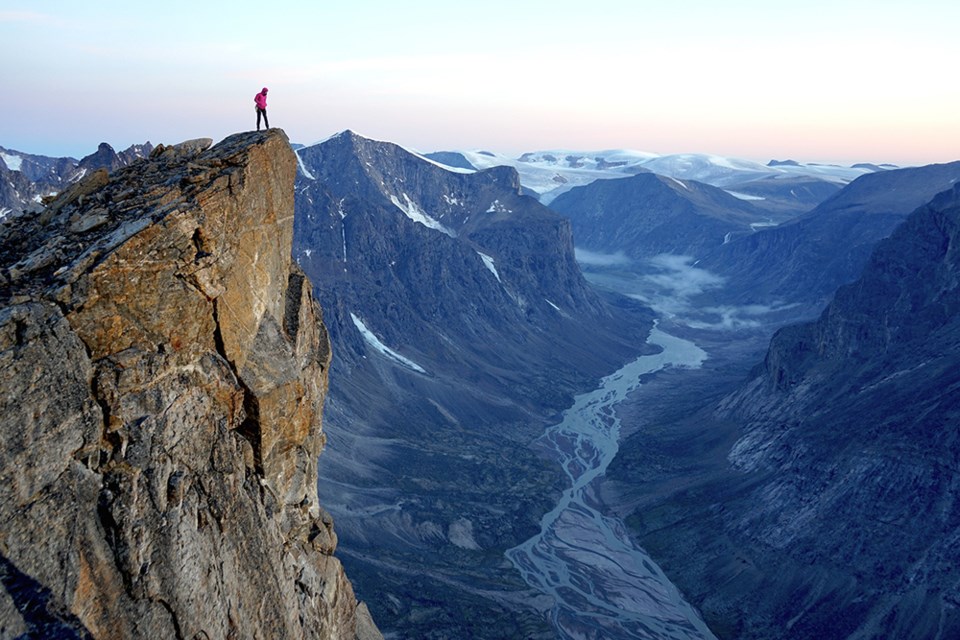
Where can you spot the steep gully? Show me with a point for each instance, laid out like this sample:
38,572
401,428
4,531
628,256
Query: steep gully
601,583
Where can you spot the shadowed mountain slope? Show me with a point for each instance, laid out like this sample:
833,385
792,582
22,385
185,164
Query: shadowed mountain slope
829,509
805,260
461,325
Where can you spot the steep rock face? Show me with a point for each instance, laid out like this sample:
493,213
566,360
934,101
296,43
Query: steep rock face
851,426
821,494
444,263
163,370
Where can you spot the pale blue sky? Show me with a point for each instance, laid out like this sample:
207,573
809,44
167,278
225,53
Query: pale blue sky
818,81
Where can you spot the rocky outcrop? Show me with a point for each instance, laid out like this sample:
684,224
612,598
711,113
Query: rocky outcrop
163,367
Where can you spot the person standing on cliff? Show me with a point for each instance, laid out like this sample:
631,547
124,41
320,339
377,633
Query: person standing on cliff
261,101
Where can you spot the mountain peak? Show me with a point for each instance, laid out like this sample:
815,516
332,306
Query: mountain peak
641,215
348,136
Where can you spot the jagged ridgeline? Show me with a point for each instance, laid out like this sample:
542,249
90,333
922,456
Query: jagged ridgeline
26,179
163,367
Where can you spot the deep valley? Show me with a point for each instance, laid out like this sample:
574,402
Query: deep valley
570,395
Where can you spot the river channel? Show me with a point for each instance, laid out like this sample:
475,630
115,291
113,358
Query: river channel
603,585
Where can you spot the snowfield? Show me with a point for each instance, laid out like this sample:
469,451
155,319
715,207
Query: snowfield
551,173
13,162
375,342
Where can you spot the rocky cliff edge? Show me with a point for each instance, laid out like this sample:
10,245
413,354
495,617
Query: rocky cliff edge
163,367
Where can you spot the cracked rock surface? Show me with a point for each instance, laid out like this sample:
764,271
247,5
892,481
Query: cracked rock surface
163,367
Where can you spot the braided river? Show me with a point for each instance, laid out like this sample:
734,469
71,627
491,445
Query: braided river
601,583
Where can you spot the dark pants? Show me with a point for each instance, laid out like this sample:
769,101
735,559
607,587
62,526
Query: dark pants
262,112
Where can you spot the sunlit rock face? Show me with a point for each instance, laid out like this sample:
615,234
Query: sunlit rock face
163,366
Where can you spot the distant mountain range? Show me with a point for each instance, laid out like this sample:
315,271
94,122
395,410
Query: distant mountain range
25,179
759,257
779,187
807,258
649,214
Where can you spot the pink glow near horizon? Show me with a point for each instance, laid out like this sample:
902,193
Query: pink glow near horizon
842,81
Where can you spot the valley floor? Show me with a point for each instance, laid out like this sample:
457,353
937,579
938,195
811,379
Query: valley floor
674,487
672,471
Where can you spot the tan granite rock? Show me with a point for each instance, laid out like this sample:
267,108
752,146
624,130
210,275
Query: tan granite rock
163,368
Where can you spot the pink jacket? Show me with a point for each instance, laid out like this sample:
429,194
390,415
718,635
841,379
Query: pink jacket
261,99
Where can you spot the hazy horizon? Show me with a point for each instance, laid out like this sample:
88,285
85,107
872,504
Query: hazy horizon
839,82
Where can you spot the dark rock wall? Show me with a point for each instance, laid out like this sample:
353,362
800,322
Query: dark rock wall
852,422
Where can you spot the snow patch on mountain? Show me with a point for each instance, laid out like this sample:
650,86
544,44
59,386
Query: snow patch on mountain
497,207
489,264
744,196
375,342
13,162
343,230
303,169
415,213
445,167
